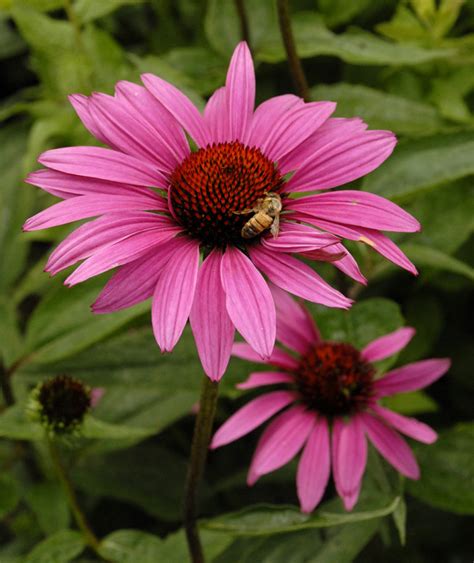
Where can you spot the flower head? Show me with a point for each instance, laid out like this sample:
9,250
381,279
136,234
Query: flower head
327,405
60,404
160,206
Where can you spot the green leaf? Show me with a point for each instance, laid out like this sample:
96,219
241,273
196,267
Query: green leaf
425,256
355,46
10,338
337,12
268,519
11,43
380,109
48,502
421,164
404,26
61,547
400,519
98,429
89,10
447,471
412,403
63,324
16,425
9,494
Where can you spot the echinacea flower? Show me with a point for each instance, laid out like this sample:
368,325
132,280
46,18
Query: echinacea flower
330,395
160,204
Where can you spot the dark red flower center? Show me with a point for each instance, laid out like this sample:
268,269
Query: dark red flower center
334,380
214,191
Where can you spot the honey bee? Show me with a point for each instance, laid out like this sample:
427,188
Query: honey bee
267,216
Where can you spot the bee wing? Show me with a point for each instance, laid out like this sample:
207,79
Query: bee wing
275,228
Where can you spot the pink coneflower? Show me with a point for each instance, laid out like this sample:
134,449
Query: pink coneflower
331,395
159,205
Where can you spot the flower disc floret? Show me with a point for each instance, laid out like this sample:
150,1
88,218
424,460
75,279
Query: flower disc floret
334,380
214,190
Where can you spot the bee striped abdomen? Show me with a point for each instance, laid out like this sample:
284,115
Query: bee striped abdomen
256,225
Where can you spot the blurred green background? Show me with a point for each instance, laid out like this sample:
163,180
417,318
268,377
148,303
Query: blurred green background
407,66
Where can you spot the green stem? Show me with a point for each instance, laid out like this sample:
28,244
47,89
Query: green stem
199,447
296,68
89,536
244,23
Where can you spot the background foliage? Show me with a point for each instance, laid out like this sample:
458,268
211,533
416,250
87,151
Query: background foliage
403,65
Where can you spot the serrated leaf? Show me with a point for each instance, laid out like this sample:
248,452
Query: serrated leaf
380,110
447,471
61,547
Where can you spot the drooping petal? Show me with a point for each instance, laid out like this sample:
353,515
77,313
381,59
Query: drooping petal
295,326
240,91
391,446
262,378
411,377
213,330
388,345
341,258
296,238
216,116
325,138
349,458
358,208
278,358
277,131
281,441
129,135
174,295
249,301
146,108
136,281
314,467
87,206
297,278
66,186
180,106
121,253
108,229
250,416
406,425
81,105
342,161
104,164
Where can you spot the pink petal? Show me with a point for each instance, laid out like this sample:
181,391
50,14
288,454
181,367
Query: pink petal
295,238
250,416
325,138
122,252
240,91
174,295
295,326
96,395
136,281
277,131
180,107
314,467
375,239
108,229
81,105
146,108
349,458
343,160
86,206
281,441
104,164
411,377
129,135
388,345
262,378
409,426
249,301
391,446
341,258
356,208
68,185
278,357
216,116
213,330
265,117
297,278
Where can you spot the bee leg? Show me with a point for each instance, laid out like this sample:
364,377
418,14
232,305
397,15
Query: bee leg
275,228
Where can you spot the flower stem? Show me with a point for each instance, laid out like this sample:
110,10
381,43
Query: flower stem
199,447
244,23
296,68
80,517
